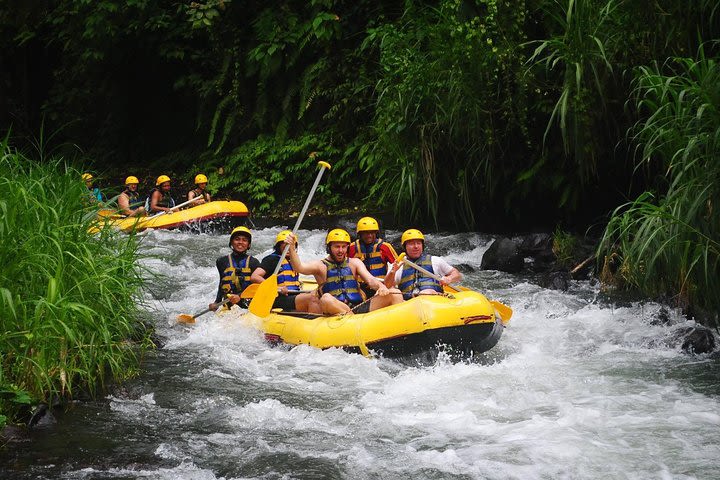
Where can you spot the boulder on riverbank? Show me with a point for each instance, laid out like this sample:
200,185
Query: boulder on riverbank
503,255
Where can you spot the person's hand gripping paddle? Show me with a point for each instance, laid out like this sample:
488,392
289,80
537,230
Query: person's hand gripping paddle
267,291
504,311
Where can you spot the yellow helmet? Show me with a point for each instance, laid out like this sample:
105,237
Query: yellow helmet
162,179
367,224
283,235
131,180
412,234
87,176
240,230
200,178
337,235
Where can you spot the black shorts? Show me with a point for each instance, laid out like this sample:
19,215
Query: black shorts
286,302
362,307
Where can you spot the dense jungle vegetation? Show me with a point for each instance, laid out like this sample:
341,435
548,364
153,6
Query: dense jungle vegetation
473,114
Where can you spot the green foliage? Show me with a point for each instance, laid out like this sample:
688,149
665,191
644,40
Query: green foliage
579,54
68,299
453,111
668,240
564,247
449,92
271,173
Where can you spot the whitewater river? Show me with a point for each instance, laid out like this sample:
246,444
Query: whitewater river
577,388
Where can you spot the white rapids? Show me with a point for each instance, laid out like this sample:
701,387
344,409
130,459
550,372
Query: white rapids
576,389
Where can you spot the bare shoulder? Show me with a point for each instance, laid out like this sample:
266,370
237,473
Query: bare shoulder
355,263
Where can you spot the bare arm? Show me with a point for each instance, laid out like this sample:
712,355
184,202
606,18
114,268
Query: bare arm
124,204
156,196
453,277
315,267
361,270
199,199
390,277
258,275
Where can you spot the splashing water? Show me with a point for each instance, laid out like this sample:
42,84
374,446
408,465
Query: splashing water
576,388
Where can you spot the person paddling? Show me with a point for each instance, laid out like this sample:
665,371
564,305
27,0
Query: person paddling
199,192
129,202
288,280
337,277
160,199
235,269
410,281
372,250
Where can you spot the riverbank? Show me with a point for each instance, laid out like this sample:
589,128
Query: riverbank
69,299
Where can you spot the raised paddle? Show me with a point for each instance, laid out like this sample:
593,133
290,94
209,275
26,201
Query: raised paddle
504,311
267,291
186,318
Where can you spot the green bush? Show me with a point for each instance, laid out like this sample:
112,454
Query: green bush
68,299
668,238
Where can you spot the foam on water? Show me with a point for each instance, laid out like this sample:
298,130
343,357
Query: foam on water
575,389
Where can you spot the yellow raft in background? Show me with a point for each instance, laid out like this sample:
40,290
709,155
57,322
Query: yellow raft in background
218,215
461,322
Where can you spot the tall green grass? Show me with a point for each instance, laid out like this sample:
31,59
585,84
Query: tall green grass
68,299
669,239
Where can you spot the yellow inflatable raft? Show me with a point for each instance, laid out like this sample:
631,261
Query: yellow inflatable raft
463,322
217,215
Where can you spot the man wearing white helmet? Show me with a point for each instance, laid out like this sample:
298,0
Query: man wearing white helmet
199,191
129,201
289,296
235,269
410,281
337,277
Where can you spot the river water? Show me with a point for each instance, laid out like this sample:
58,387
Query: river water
577,388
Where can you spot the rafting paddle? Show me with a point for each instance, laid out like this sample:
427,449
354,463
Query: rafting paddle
171,210
267,291
504,311
187,318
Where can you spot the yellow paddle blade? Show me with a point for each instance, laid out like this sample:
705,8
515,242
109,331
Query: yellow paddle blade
249,292
264,297
504,311
185,318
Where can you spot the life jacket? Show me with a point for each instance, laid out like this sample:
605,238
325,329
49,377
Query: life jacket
411,278
341,283
200,193
135,200
166,201
95,194
371,257
287,277
231,281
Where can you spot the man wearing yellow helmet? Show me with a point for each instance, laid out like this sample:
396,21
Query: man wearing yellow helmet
94,193
129,202
235,269
371,250
199,191
337,277
290,298
160,199
410,281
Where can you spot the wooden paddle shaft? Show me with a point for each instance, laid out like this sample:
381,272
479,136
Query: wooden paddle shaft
173,208
323,166
425,272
